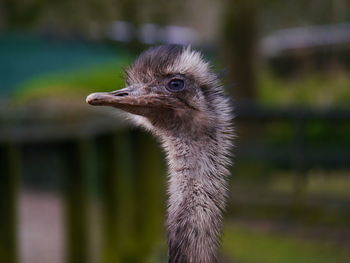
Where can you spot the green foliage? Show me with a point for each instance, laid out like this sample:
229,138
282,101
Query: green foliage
247,245
106,77
320,90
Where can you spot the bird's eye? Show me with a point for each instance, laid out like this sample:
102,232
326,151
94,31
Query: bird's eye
176,85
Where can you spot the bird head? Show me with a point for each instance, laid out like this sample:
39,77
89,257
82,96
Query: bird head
169,87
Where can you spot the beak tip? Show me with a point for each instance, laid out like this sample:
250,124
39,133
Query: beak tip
92,99
89,99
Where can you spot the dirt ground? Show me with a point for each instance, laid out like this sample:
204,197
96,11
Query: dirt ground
40,228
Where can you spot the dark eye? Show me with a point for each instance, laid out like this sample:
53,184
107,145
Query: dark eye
176,85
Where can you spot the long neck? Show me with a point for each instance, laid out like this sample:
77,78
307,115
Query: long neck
197,193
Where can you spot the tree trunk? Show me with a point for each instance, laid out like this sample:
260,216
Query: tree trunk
239,39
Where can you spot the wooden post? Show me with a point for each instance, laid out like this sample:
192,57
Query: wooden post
300,176
133,183
149,185
77,158
9,174
115,157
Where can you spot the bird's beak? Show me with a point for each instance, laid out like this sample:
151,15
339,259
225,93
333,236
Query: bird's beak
114,98
133,99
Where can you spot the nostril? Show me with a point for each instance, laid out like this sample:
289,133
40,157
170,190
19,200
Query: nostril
119,93
122,94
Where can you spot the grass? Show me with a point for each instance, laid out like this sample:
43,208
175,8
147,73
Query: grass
106,77
336,184
312,89
245,245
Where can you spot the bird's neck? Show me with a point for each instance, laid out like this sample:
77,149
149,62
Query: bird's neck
197,195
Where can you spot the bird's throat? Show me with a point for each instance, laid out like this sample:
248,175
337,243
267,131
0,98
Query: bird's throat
197,194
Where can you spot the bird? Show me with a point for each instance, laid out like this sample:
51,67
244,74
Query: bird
172,92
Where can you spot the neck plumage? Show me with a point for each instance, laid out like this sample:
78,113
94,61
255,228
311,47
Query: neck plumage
197,194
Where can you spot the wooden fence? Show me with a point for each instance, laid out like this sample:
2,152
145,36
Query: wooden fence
129,168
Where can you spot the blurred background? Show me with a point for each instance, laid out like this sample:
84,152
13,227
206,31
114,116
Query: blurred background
78,185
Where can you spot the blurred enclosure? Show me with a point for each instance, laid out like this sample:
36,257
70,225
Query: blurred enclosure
78,185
